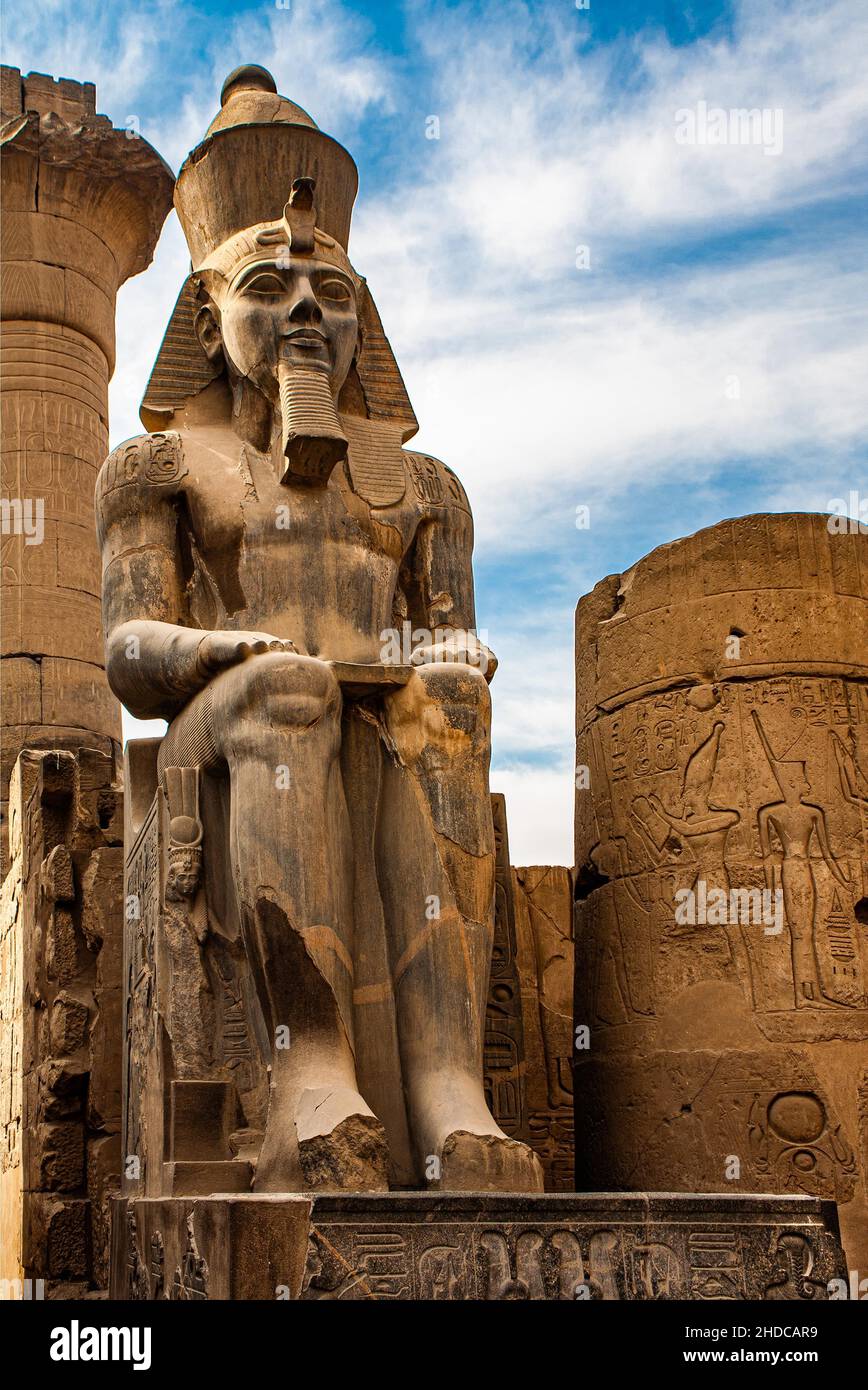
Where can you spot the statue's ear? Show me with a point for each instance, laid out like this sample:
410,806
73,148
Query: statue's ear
207,326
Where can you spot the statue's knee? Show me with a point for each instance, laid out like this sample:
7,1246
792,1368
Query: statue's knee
282,690
444,706
456,688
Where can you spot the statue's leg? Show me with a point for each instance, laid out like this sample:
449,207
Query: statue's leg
436,870
274,721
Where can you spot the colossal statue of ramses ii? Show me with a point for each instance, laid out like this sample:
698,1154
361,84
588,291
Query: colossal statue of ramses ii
266,551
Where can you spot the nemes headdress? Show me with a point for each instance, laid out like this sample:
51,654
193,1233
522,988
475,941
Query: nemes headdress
266,174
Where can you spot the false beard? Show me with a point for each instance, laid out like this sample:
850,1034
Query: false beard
313,441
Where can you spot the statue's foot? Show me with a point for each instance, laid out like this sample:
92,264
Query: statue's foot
332,1143
462,1147
488,1163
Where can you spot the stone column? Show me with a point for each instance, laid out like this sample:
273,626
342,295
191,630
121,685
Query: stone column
722,856
82,209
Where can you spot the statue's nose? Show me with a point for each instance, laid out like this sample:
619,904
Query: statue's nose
305,308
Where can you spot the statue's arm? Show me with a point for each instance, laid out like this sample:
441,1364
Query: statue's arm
151,656
440,576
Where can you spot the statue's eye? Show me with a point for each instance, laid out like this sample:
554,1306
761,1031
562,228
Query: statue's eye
334,291
265,284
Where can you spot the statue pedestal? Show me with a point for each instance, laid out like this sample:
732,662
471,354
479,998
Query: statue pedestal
468,1246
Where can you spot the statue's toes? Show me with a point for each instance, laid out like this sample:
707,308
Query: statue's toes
488,1163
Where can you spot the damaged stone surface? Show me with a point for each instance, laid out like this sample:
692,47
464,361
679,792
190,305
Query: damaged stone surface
722,868
61,1021
494,1246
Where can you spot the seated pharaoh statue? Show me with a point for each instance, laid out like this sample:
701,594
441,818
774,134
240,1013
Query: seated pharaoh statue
291,589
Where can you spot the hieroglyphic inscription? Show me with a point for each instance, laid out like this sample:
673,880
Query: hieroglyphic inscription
748,788
142,897
550,1260
504,1035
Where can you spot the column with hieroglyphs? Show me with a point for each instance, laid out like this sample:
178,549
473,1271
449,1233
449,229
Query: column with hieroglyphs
82,209
721,1002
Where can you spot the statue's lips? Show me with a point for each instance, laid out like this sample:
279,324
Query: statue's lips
306,337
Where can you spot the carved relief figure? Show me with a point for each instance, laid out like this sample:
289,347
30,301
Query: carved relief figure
793,1278
257,552
703,826
854,783
796,822
630,964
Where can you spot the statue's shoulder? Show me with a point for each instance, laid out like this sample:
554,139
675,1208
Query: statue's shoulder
434,483
147,465
140,464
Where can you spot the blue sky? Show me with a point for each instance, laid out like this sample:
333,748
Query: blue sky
708,358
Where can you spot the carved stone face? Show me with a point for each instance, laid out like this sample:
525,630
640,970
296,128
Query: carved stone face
298,310
792,780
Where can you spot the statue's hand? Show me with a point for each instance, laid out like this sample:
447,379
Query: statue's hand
217,650
461,646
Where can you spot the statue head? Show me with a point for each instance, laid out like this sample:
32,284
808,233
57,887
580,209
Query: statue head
267,303
791,776
272,304
265,202
279,305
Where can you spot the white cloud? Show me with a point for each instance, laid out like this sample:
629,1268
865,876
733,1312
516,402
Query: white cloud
121,49
539,813
764,359
536,380
542,137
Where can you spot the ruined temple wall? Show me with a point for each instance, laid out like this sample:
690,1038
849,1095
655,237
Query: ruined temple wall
544,930
529,1009
83,205
61,1021
723,721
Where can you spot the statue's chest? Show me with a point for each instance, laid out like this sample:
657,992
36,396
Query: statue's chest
238,513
